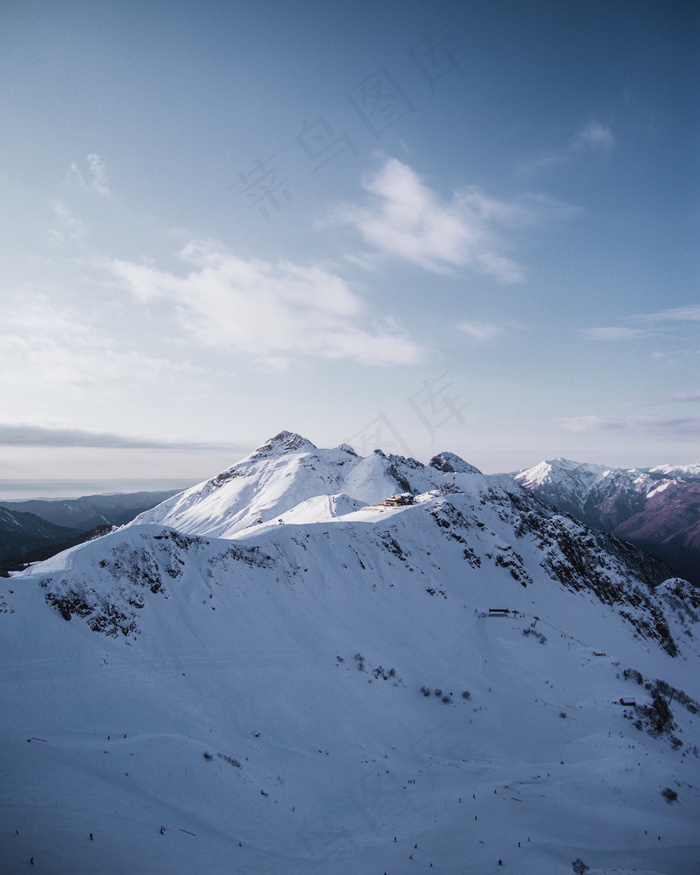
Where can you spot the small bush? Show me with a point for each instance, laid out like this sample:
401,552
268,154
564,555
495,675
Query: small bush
536,633
633,674
208,756
579,867
438,692
446,699
669,795
657,715
466,695
562,714
425,691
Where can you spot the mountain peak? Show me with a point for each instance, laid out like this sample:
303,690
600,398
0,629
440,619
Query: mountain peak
346,448
450,463
557,470
564,464
282,443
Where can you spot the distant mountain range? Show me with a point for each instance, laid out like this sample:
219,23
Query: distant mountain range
26,534
319,662
657,509
34,529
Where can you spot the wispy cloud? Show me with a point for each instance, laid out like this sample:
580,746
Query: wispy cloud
643,325
47,347
672,398
68,227
592,138
97,174
483,332
591,423
407,219
677,355
269,311
677,426
614,333
593,135
27,435
676,314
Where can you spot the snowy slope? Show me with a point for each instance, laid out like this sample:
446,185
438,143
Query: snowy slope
269,700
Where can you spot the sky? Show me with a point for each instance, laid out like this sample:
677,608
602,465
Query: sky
463,226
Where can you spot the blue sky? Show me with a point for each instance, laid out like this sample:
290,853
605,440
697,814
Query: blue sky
463,226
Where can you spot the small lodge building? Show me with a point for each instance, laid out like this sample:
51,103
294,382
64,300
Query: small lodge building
401,500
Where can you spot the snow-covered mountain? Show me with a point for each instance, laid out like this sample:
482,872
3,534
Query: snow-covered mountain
287,471
677,472
277,672
657,509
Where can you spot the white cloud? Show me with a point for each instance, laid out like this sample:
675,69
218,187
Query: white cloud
270,311
407,219
97,171
56,349
593,137
74,175
69,228
481,331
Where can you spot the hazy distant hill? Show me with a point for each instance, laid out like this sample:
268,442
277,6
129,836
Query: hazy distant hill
34,529
26,533
90,510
